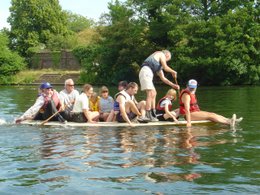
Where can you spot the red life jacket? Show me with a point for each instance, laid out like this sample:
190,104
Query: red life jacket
160,108
55,99
193,102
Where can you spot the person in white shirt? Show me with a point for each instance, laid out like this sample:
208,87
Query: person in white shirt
47,103
81,112
69,94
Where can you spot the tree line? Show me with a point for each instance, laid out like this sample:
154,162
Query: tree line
215,42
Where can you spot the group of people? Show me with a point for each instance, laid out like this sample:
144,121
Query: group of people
69,105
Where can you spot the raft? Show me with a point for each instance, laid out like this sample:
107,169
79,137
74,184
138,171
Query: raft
110,124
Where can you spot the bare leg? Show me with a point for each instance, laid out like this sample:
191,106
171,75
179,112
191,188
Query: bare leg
150,98
110,117
203,115
141,107
130,106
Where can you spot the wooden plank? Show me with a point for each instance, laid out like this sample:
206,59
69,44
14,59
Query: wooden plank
110,124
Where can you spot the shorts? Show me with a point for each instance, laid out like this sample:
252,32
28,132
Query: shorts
130,115
146,78
78,117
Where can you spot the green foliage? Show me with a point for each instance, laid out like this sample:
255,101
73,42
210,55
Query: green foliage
33,22
10,62
77,23
215,42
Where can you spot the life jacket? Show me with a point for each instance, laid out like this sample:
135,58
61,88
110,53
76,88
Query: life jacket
152,63
55,99
126,96
160,108
193,102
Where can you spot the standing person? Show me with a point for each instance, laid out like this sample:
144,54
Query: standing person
124,105
69,94
164,110
106,103
190,108
47,103
81,112
155,63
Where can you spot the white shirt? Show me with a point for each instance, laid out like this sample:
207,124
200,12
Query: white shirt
67,98
33,110
82,102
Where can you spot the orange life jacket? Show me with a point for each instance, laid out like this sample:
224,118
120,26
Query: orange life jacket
193,102
160,108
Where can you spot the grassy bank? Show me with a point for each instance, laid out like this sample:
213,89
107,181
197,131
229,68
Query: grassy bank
32,76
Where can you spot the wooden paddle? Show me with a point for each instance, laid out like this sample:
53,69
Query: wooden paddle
45,121
177,84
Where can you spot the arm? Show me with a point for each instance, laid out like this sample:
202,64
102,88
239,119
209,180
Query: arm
186,100
166,81
166,67
167,111
33,110
87,115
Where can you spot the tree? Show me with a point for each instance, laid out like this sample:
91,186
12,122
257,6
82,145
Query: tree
10,62
77,22
33,22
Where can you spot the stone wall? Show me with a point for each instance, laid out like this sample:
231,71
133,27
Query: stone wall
64,60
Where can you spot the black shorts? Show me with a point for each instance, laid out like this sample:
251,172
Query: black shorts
120,119
78,117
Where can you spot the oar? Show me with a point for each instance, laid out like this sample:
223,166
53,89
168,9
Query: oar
177,84
45,121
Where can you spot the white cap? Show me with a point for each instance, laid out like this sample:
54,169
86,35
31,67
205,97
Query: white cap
192,84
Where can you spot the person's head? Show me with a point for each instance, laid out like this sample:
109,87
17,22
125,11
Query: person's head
88,89
132,88
46,88
104,91
94,97
122,85
192,85
167,54
69,85
171,93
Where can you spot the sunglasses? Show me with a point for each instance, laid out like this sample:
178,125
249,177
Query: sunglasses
104,91
71,85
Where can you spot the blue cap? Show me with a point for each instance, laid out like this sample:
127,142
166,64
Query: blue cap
45,86
192,84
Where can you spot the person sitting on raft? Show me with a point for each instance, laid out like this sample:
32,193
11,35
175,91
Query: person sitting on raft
106,103
124,106
81,112
94,100
190,109
164,110
47,103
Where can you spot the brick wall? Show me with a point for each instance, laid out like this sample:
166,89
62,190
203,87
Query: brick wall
64,60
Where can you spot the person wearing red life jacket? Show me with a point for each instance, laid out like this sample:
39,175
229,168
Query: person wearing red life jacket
164,110
190,109
47,103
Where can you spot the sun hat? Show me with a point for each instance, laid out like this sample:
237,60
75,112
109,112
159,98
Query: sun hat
192,84
45,85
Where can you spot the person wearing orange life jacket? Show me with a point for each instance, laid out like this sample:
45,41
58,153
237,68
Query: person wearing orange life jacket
47,103
189,107
164,110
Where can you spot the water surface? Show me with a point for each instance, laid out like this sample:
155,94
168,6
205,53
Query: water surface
207,159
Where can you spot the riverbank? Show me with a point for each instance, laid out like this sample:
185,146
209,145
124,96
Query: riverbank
45,75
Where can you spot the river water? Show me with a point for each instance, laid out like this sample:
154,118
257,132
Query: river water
206,159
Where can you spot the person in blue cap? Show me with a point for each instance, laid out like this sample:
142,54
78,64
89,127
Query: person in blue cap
190,109
47,103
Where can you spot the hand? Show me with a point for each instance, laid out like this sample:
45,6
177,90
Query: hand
18,121
174,74
188,125
176,87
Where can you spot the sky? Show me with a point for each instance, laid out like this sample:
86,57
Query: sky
88,8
